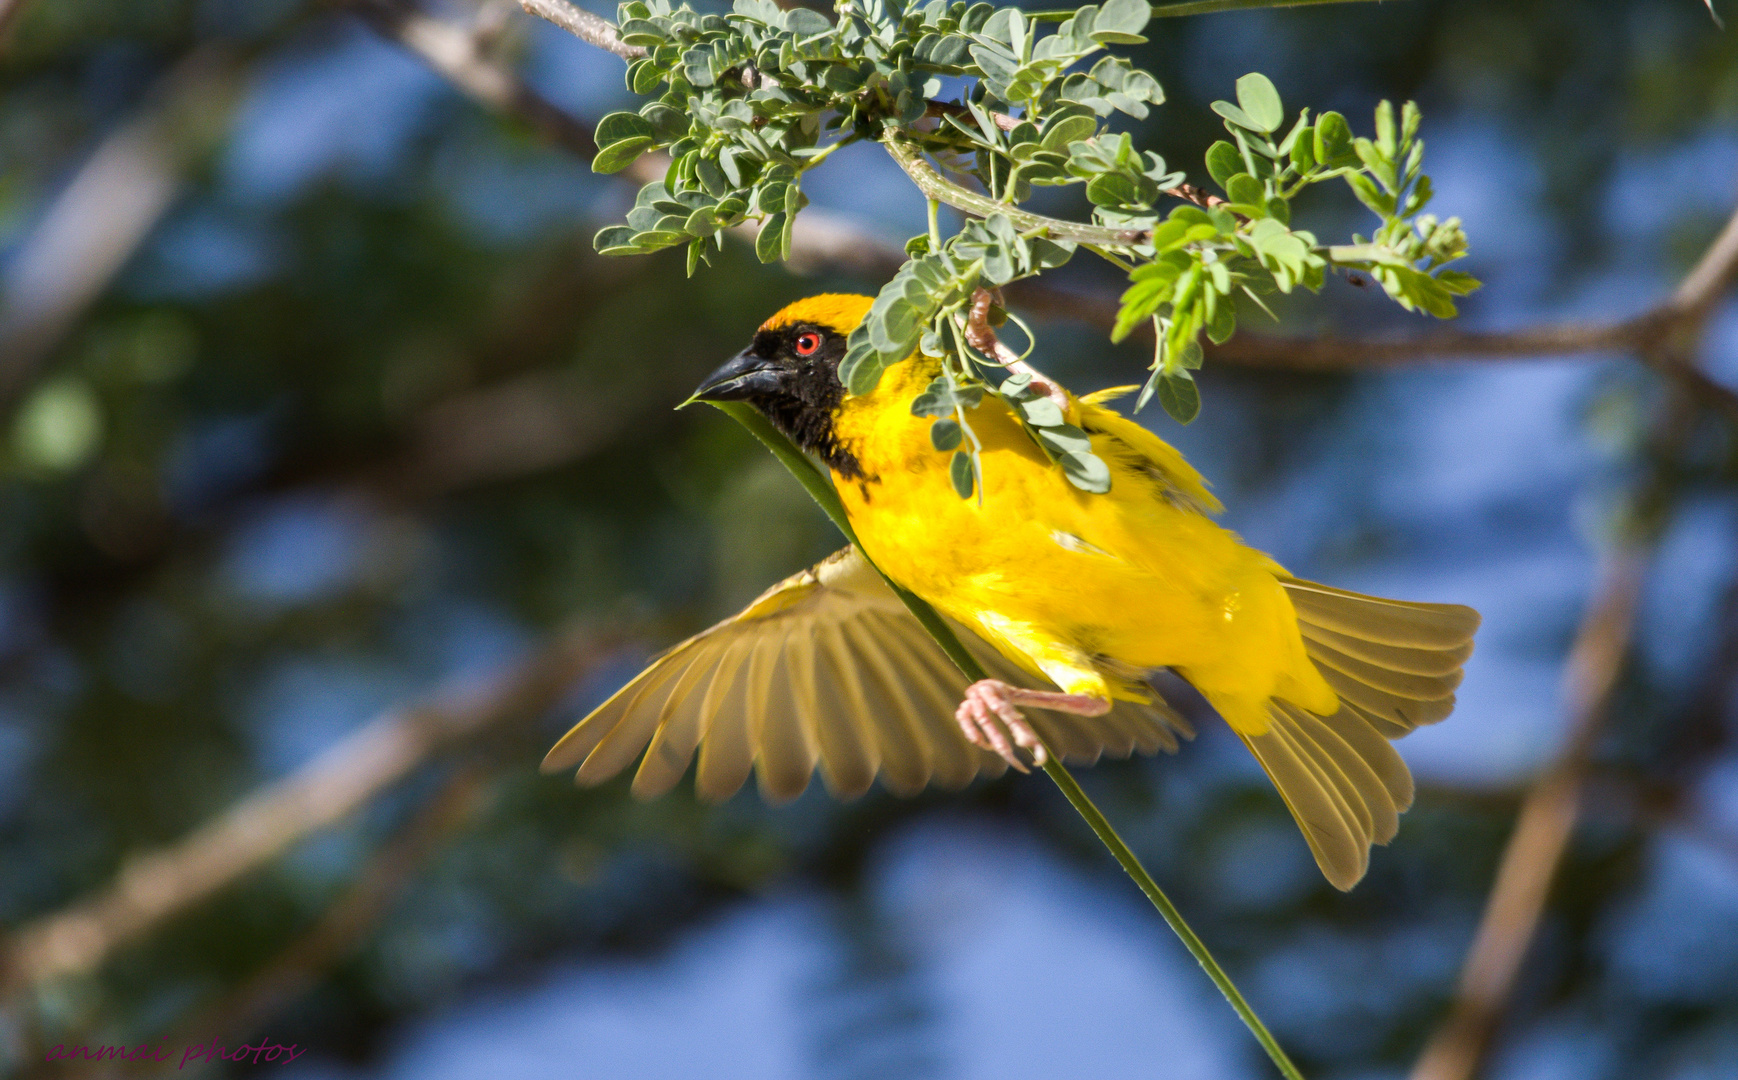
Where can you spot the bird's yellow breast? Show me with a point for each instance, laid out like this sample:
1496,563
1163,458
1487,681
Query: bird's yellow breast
1136,578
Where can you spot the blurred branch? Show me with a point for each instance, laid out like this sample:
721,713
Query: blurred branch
1542,831
461,56
9,12
1547,817
113,202
533,421
1643,336
350,918
156,886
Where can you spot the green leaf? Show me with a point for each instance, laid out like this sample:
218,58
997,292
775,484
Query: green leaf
766,242
667,122
698,66
1121,189
806,22
861,368
620,126
1088,472
1237,116
702,222
945,434
1223,162
1041,412
643,76
658,239
1458,282
1061,439
1179,396
1385,141
711,178
615,240
771,198
1260,101
936,400
960,471
1065,130
1121,22
642,32
1246,189
1223,322
1333,138
619,155
1370,195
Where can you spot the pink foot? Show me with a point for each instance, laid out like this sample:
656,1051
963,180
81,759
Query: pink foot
991,705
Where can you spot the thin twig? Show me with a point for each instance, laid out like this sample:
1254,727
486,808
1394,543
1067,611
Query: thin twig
1639,336
1717,267
937,187
154,886
982,337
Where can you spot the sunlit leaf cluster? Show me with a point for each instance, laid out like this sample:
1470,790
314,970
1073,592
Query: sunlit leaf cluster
745,103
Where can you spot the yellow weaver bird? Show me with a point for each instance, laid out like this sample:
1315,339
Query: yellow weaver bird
1086,593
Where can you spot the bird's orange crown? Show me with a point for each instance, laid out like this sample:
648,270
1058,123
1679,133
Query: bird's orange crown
838,312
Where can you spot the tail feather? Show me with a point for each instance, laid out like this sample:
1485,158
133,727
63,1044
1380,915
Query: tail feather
1394,665
1392,657
1402,684
1388,622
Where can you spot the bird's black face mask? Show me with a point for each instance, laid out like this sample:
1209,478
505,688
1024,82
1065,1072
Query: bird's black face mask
792,375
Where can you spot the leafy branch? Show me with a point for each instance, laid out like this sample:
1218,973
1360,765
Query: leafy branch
747,102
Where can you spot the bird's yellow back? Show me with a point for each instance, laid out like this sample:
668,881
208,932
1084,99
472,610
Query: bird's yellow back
1080,587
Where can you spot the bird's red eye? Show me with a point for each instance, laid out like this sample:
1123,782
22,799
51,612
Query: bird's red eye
807,343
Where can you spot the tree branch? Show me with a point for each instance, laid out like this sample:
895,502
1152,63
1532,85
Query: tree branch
937,187
1688,307
10,10
459,55
583,25
1540,841
1542,831
298,969
154,886
98,221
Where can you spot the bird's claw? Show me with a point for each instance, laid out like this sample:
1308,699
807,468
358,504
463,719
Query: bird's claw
992,721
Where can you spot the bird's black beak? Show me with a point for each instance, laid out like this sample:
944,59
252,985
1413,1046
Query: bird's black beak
743,376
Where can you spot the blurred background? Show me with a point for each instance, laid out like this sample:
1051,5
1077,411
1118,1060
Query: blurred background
338,477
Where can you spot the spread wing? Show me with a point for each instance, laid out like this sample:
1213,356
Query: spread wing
1173,477
828,670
